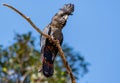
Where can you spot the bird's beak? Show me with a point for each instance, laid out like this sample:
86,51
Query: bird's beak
66,17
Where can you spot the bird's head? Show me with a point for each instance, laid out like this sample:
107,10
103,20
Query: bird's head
67,9
59,20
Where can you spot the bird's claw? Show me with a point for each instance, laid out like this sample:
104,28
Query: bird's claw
52,38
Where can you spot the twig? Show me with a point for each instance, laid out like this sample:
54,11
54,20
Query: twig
28,19
65,62
47,36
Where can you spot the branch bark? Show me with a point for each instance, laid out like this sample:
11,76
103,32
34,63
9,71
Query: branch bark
47,36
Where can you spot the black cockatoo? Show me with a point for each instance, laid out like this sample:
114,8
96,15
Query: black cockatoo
54,29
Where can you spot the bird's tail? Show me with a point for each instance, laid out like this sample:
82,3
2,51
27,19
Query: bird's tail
49,54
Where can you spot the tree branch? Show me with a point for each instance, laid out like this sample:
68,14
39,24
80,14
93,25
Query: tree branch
29,20
47,36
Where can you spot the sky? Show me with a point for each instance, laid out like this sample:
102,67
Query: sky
93,30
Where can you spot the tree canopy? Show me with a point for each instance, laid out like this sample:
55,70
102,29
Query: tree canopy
19,63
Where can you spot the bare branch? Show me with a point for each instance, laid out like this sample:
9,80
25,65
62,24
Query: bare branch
47,36
65,62
28,19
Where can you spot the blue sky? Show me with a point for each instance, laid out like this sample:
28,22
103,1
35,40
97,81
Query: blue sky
93,30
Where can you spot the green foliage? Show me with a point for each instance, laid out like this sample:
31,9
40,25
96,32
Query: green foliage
19,63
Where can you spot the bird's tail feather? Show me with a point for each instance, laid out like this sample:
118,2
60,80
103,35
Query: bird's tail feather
50,52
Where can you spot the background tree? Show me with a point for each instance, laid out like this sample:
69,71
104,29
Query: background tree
19,63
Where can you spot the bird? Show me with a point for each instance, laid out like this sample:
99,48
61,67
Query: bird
54,29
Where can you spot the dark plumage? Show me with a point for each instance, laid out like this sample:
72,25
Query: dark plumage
48,49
